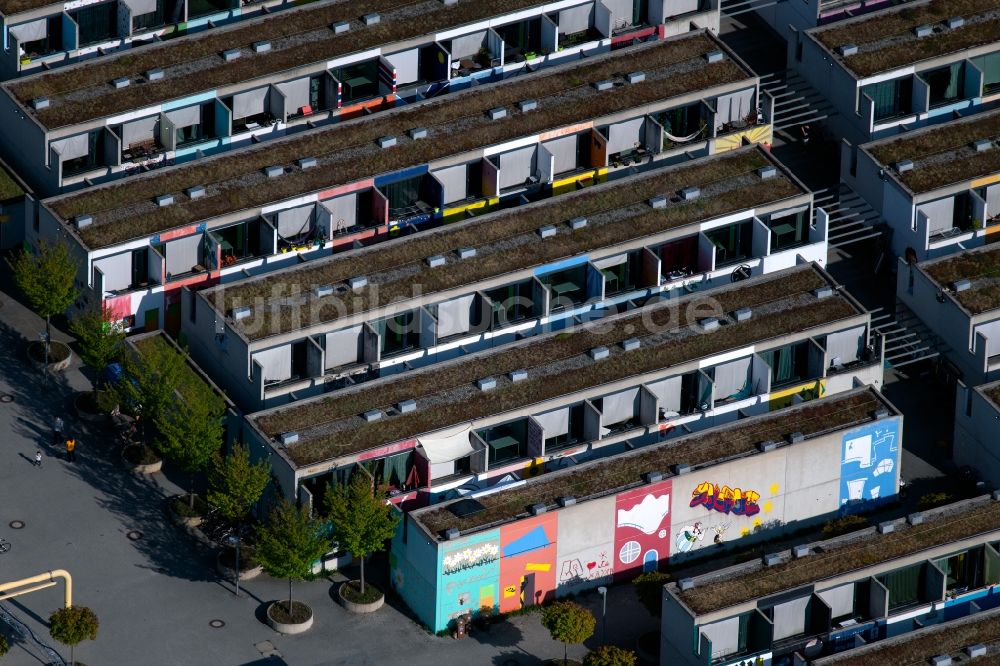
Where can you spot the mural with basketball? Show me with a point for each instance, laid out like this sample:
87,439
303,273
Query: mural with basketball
642,529
528,562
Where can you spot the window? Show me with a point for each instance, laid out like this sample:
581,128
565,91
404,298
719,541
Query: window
681,123
150,20
892,98
788,364
140,267
620,278
93,159
398,334
732,243
511,304
567,288
506,442
990,67
316,93
98,23
403,196
962,570
188,135
945,84
789,231
905,586
198,8
51,43
238,242
395,471
358,82
574,434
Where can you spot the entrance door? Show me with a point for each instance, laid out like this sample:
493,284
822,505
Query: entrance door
151,322
528,590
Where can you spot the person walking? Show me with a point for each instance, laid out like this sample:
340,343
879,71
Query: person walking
71,450
57,430
38,458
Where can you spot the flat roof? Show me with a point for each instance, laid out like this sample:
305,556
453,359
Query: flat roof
886,40
919,646
981,267
9,8
616,213
193,64
347,152
862,549
557,364
942,154
604,477
992,391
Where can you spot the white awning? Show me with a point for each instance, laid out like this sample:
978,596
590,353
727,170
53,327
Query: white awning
250,103
140,7
73,147
189,115
296,94
30,32
139,130
447,445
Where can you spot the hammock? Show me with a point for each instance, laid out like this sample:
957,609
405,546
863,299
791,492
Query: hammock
681,139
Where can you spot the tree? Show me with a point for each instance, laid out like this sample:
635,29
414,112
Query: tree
149,380
649,590
47,278
609,655
73,625
100,339
4,645
288,543
568,622
234,484
361,518
189,433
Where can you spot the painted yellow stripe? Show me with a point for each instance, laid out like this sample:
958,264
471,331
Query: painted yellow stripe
531,566
987,180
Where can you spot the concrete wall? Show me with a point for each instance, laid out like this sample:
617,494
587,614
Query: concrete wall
977,421
824,73
580,547
944,317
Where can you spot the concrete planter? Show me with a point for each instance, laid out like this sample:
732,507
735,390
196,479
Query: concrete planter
150,468
186,521
83,414
246,574
360,608
52,367
289,629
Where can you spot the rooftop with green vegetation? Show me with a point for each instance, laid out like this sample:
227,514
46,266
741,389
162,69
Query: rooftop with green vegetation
602,477
868,548
194,64
992,391
942,155
9,188
886,40
194,385
348,152
981,267
918,647
616,213
557,364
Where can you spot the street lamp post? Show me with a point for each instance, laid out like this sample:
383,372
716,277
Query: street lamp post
604,614
234,541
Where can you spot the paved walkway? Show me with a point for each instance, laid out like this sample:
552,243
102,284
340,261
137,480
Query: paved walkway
155,596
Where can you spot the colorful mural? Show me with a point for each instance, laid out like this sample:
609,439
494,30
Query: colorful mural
585,551
528,562
869,468
468,573
725,499
642,527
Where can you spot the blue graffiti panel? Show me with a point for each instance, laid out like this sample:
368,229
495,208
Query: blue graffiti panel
869,464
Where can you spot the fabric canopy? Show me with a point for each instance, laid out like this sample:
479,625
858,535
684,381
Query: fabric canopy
845,345
447,445
296,94
138,130
619,407
249,103
140,7
295,221
554,423
731,378
454,316
189,115
277,363
30,32
73,147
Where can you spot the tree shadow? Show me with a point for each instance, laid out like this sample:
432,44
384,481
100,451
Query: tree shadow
266,661
515,658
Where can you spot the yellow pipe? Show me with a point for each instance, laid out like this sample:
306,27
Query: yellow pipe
48,576
42,586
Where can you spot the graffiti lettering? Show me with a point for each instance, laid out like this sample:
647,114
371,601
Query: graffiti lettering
725,499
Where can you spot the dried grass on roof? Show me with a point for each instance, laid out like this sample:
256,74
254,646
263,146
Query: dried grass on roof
981,268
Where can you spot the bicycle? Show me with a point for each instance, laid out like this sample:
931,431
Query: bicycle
4,545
